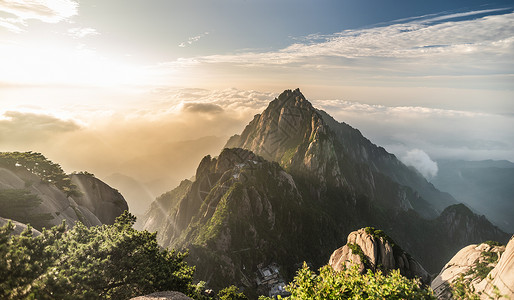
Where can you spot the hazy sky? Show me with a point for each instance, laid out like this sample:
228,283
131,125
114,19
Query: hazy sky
113,86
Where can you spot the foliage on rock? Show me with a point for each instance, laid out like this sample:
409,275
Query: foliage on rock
350,284
20,205
231,293
462,289
39,165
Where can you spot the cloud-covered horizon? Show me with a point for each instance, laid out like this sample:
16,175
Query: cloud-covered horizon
160,141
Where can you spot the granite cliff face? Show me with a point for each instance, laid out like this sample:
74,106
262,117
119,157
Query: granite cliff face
298,190
372,249
30,199
486,268
102,200
310,143
240,212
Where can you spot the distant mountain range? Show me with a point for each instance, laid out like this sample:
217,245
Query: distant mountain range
486,186
292,187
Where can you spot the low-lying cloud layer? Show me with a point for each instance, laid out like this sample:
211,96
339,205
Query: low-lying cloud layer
161,138
421,161
18,127
442,133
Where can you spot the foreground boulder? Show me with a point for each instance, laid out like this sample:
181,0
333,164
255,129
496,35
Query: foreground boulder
486,269
374,250
168,295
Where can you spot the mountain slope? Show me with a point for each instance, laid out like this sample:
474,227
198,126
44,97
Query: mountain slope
241,211
309,143
486,186
36,191
285,206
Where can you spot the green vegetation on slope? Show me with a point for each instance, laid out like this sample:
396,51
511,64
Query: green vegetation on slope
462,288
101,262
18,204
350,284
39,165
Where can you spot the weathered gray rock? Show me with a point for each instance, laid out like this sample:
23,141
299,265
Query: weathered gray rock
378,252
308,141
498,283
18,227
168,295
102,200
98,203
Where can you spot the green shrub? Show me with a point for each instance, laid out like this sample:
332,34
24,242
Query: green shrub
101,262
231,293
350,284
39,165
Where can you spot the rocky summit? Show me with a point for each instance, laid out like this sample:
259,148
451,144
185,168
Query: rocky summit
291,188
372,249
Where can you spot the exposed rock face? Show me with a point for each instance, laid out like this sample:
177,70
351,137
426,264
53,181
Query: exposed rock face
98,203
502,274
462,226
371,249
169,295
243,210
102,200
18,227
488,269
309,142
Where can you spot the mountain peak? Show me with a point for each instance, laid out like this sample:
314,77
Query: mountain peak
290,99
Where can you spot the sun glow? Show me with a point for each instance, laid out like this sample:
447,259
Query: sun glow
55,64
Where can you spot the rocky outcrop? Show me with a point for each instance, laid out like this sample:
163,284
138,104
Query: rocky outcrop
302,187
46,205
240,212
169,295
372,249
486,269
18,227
502,275
102,200
464,227
310,143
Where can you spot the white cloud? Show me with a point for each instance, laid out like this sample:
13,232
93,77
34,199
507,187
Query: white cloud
193,39
79,33
437,46
442,133
49,11
421,161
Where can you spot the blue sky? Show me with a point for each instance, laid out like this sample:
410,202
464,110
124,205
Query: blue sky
80,79
155,30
